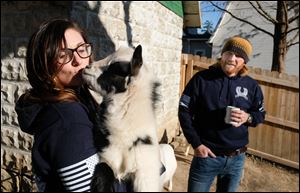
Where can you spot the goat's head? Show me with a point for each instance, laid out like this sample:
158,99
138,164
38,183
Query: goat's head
114,73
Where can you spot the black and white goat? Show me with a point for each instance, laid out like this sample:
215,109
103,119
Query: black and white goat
126,118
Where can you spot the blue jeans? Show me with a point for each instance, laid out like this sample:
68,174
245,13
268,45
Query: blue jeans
227,169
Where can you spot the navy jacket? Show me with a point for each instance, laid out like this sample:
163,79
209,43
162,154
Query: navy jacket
203,104
64,155
63,142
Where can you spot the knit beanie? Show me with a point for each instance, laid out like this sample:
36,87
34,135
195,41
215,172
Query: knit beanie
239,46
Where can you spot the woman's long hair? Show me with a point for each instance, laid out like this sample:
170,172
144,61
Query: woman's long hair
41,59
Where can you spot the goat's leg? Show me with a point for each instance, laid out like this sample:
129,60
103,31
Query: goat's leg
170,185
103,178
147,175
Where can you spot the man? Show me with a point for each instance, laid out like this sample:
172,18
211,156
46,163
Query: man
219,147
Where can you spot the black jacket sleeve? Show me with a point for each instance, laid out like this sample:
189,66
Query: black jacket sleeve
257,110
186,112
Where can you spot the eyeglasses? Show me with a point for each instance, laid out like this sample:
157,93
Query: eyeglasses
66,55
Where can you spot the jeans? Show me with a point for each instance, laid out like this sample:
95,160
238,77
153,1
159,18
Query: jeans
227,169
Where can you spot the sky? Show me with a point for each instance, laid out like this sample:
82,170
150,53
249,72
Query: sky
211,13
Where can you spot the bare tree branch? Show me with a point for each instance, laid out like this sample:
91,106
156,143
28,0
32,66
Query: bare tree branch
286,16
289,45
291,41
293,6
293,29
242,20
262,12
293,18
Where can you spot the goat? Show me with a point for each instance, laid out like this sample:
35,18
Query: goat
126,119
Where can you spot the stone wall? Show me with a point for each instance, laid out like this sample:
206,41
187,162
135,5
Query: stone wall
108,25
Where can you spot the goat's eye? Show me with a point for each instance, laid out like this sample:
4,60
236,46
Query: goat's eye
127,80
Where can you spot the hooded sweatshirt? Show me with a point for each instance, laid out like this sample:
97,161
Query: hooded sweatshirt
63,153
203,105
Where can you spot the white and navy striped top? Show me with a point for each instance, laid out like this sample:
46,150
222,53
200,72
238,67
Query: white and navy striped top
77,177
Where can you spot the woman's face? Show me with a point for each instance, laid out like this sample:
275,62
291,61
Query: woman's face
231,63
70,73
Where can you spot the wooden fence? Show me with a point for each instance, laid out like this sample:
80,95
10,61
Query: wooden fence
277,139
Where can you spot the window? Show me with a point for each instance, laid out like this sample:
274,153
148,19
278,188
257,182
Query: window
200,52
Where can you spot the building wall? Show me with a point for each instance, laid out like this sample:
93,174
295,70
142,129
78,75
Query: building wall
108,25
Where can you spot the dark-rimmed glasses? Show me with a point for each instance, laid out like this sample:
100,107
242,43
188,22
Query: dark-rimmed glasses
66,55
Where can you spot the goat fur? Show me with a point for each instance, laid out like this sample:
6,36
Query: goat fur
168,159
126,117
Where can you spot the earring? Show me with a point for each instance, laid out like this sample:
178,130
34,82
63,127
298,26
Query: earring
55,85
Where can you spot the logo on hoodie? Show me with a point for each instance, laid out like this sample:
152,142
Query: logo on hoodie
241,92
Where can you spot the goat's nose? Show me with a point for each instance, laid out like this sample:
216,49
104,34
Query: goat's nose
88,66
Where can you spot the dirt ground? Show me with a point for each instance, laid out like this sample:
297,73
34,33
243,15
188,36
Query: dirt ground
259,175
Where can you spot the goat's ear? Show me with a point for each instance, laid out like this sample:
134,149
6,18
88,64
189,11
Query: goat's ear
136,61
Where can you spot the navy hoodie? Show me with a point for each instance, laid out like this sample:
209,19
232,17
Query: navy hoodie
203,105
64,155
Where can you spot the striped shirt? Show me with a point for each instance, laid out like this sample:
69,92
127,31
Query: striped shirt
77,177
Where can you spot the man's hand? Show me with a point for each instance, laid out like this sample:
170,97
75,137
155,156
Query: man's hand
240,117
203,151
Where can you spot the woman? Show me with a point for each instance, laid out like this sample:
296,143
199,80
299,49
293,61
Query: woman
56,109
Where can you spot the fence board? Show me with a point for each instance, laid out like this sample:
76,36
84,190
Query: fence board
287,143
273,158
295,149
275,81
252,143
277,139
283,122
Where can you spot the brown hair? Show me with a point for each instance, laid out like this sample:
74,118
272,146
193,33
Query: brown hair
42,53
